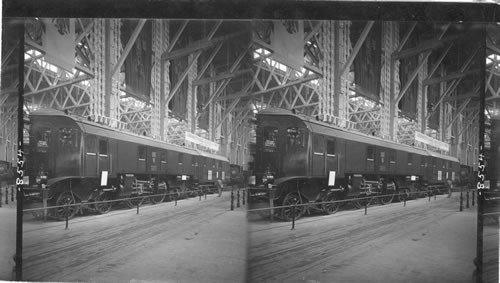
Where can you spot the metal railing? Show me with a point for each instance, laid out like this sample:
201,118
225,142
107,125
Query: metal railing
136,200
468,194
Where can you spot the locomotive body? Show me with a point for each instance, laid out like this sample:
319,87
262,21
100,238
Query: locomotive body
306,160
81,161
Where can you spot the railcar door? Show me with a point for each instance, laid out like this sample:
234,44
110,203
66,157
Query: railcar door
90,155
153,161
163,162
318,158
103,155
382,160
332,162
370,159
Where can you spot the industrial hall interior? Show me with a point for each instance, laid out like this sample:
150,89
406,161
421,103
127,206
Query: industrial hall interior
169,141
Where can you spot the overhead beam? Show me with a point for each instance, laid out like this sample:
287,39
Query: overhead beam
63,84
449,77
406,36
357,47
222,76
199,45
128,47
246,94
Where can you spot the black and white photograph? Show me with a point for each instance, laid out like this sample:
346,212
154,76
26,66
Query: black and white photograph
284,141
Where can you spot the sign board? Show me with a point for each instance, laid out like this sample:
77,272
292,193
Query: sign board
104,178
209,174
440,175
423,138
331,178
190,137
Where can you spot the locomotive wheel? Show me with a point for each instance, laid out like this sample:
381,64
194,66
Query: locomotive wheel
103,208
359,203
404,195
63,199
131,203
330,208
160,196
388,193
292,199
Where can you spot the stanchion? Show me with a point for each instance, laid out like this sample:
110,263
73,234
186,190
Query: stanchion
66,214
45,196
12,194
205,195
137,207
435,196
293,217
238,198
404,202
473,195
243,197
271,205
467,200
6,195
200,197
175,197
429,196
0,197
366,207
232,200
461,201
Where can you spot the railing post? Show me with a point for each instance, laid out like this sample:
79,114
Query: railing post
175,197
293,217
6,195
429,197
12,194
473,195
404,202
435,195
271,205
467,200
461,200
205,193
366,207
0,197
66,214
45,194
238,198
137,207
232,199
243,197
200,197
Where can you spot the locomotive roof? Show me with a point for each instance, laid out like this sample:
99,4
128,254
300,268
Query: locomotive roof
331,130
102,130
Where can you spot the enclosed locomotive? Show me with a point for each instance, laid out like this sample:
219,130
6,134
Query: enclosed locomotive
307,160
77,160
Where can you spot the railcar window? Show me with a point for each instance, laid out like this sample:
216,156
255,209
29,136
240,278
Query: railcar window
410,158
103,147
295,138
180,157
270,135
163,157
43,139
370,153
69,138
392,156
330,147
142,153
91,144
318,144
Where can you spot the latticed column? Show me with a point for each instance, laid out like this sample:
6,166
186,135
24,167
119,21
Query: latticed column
115,52
342,96
422,94
325,108
390,41
97,64
159,47
165,80
191,94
